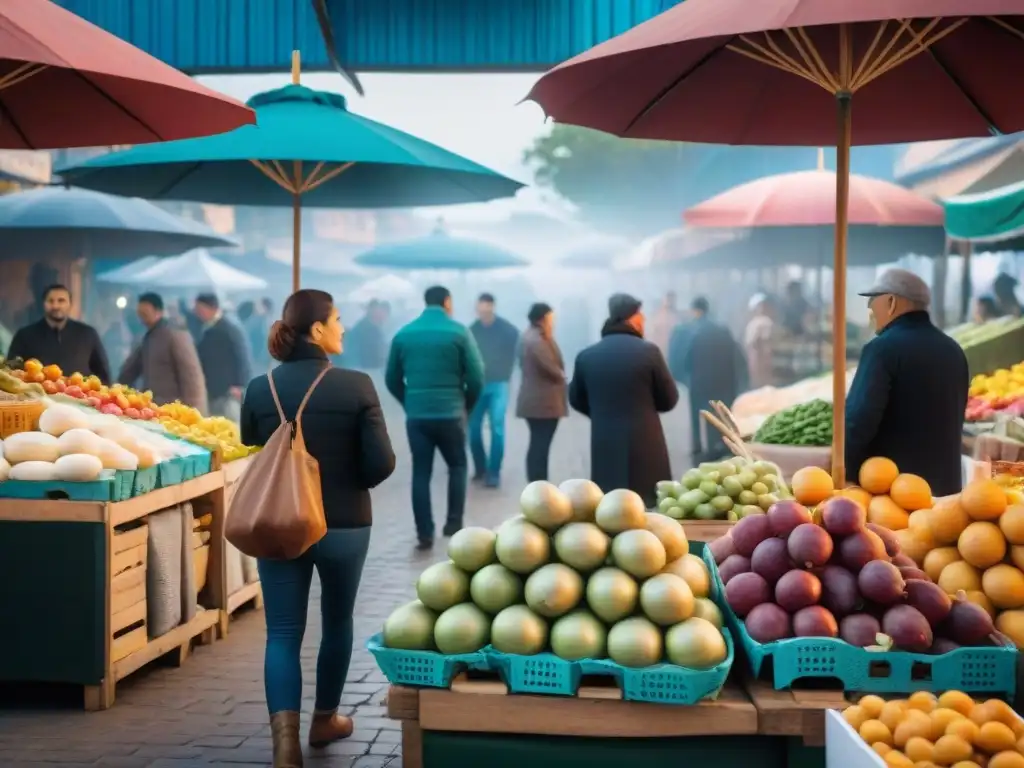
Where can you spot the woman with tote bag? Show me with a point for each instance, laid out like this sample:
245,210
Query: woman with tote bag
335,418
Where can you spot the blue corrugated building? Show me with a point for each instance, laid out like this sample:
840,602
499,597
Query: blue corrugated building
220,36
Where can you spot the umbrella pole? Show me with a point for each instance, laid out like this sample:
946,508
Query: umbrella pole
296,240
839,290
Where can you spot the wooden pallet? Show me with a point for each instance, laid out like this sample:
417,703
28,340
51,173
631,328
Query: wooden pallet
176,644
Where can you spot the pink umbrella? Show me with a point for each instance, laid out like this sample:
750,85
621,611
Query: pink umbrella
808,199
67,83
786,72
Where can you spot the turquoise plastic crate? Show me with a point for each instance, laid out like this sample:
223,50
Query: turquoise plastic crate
171,472
991,669
202,463
546,673
124,485
145,481
428,669
95,490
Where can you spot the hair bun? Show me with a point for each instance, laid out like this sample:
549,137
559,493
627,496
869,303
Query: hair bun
281,342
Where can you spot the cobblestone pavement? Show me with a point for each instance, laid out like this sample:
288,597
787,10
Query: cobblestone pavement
212,710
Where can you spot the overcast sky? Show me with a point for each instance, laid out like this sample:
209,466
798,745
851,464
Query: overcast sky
477,116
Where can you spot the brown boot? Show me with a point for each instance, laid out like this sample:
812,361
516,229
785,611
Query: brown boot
284,728
328,727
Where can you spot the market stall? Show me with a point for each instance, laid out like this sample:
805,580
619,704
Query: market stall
588,628
111,530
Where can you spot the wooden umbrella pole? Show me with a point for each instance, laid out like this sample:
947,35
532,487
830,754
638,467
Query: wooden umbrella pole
839,291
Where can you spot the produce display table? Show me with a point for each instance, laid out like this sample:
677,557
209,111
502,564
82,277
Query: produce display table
478,723
74,576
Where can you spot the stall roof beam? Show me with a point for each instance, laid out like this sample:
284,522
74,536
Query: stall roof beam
253,36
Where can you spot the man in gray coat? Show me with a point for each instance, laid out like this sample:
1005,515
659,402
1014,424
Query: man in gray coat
166,360
623,383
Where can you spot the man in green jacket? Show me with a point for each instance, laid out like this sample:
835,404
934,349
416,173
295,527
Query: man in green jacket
435,371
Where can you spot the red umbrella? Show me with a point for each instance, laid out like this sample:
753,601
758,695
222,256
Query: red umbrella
779,71
66,83
808,199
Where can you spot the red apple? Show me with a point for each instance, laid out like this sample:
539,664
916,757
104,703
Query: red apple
75,391
94,402
61,385
111,409
132,413
148,413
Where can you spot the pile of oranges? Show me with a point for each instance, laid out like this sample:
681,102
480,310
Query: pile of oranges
953,729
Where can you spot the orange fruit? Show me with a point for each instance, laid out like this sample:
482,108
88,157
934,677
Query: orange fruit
881,747
938,559
896,759
960,575
811,485
1017,556
964,729
885,512
916,725
995,737
982,544
952,749
877,474
913,545
983,500
875,730
923,700
855,716
911,492
1004,714
1007,759
1011,523
919,750
892,715
982,713
873,705
965,764
948,520
941,718
1003,585
958,701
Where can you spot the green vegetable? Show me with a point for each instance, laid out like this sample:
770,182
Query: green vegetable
806,424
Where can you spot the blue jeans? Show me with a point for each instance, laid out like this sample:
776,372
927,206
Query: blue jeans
447,436
338,558
493,404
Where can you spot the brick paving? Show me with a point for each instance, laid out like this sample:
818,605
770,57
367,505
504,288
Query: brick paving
212,710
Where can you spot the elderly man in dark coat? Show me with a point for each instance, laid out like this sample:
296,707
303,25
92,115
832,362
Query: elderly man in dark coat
908,397
622,383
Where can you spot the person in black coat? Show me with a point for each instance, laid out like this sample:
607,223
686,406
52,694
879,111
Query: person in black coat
705,357
344,430
59,340
225,357
622,383
908,396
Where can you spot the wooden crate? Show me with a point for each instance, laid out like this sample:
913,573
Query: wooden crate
128,554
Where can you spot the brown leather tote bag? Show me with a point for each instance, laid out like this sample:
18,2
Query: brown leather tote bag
277,512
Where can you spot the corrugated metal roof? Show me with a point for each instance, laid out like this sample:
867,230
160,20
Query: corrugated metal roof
214,36
208,36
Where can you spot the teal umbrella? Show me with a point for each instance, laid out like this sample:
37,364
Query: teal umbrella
306,149
439,250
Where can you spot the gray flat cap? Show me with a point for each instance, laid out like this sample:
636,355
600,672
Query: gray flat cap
622,306
900,282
